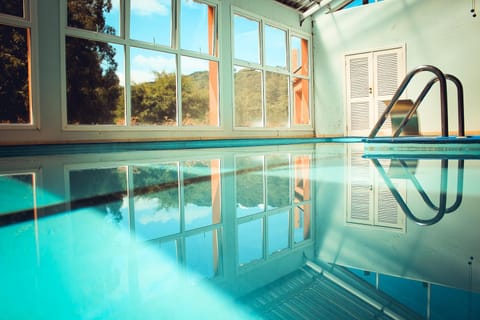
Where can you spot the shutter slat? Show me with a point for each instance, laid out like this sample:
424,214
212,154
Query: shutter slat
360,115
359,82
387,74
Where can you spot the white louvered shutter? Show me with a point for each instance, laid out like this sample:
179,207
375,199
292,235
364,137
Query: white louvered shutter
371,79
389,71
358,91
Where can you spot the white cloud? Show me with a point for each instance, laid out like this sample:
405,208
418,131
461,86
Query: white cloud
140,76
144,67
149,7
191,65
189,3
145,214
155,62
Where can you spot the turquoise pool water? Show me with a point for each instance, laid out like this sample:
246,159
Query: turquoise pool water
166,233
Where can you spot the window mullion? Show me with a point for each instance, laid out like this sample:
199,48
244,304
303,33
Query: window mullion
179,91
127,101
175,24
264,75
125,19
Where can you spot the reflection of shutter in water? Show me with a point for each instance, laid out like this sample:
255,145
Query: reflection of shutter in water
387,207
360,193
360,206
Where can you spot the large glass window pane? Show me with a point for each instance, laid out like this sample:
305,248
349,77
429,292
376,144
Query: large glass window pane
202,203
248,97
249,185
278,232
153,87
246,39
275,47
199,92
94,82
12,7
98,16
151,21
14,75
104,190
299,56
156,200
250,241
197,27
276,100
301,107
278,181
202,254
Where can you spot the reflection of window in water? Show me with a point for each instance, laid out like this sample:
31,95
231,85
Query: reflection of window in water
101,189
21,187
250,241
156,200
201,253
265,227
177,204
302,216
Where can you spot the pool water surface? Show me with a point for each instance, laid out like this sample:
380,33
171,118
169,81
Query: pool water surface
312,230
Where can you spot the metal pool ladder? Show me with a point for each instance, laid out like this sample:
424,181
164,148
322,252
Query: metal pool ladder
442,79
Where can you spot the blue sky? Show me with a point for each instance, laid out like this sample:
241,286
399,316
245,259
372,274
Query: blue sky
150,21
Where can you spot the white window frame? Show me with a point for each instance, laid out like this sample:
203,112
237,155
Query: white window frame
263,68
127,43
28,21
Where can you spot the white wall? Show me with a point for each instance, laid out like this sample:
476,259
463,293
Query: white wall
437,32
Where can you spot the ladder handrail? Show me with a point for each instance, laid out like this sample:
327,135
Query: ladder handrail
443,98
426,89
460,104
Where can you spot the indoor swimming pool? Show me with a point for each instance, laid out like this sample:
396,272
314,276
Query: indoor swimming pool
330,230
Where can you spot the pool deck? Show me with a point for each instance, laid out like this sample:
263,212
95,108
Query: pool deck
421,146
105,147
